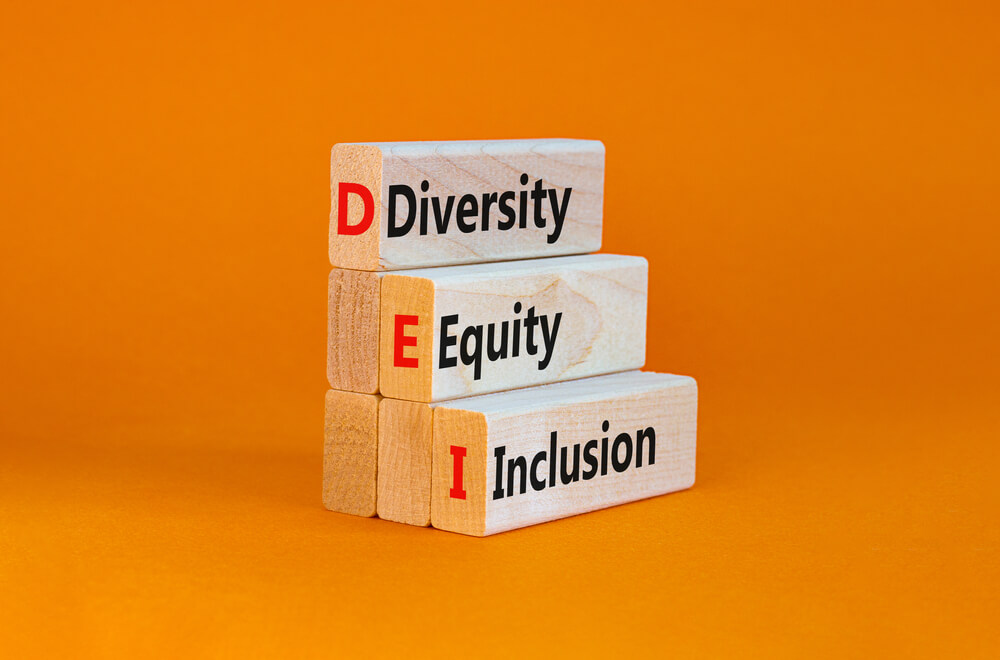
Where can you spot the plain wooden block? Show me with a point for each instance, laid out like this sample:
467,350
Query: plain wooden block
617,438
350,452
352,330
416,204
464,330
404,462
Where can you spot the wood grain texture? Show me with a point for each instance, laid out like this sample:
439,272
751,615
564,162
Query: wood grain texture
473,168
404,462
350,452
646,448
352,331
406,296
361,164
598,301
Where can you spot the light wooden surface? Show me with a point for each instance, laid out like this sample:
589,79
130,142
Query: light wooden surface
522,423
352,330
457,170
404,462
598,301
359,164
350,451
408,297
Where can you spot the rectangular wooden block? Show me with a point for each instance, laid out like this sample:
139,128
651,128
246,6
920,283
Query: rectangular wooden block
404,462
464,330
352,330
416,204
350,452
513,459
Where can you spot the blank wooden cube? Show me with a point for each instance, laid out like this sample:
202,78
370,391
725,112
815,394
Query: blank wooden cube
465,330
416,204
404,462
350,453
508,460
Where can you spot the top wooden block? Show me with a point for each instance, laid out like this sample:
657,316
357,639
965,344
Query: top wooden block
449,203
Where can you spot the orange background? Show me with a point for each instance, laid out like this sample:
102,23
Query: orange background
815,186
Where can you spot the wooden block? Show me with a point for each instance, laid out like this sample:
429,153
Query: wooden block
352,330
417,204
350,452
404,462
617,438
464,330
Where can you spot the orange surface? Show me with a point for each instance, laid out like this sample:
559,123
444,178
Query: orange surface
816,188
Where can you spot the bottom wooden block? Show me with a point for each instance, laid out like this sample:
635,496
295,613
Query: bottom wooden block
508,460
350,453
404,462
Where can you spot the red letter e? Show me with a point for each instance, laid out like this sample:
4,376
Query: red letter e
402,339
366,217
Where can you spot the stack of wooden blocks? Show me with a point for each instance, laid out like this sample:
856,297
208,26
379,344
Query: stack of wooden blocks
483,364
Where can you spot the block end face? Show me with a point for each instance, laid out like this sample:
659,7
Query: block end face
353,330
414,521
356,206
350,453
406,330
337,506
404,462
458,486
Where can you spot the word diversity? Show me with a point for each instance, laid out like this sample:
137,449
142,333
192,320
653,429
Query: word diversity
473,339
468,212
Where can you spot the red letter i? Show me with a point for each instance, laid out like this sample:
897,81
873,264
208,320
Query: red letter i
457,489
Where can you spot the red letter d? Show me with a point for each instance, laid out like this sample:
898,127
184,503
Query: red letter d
343,190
